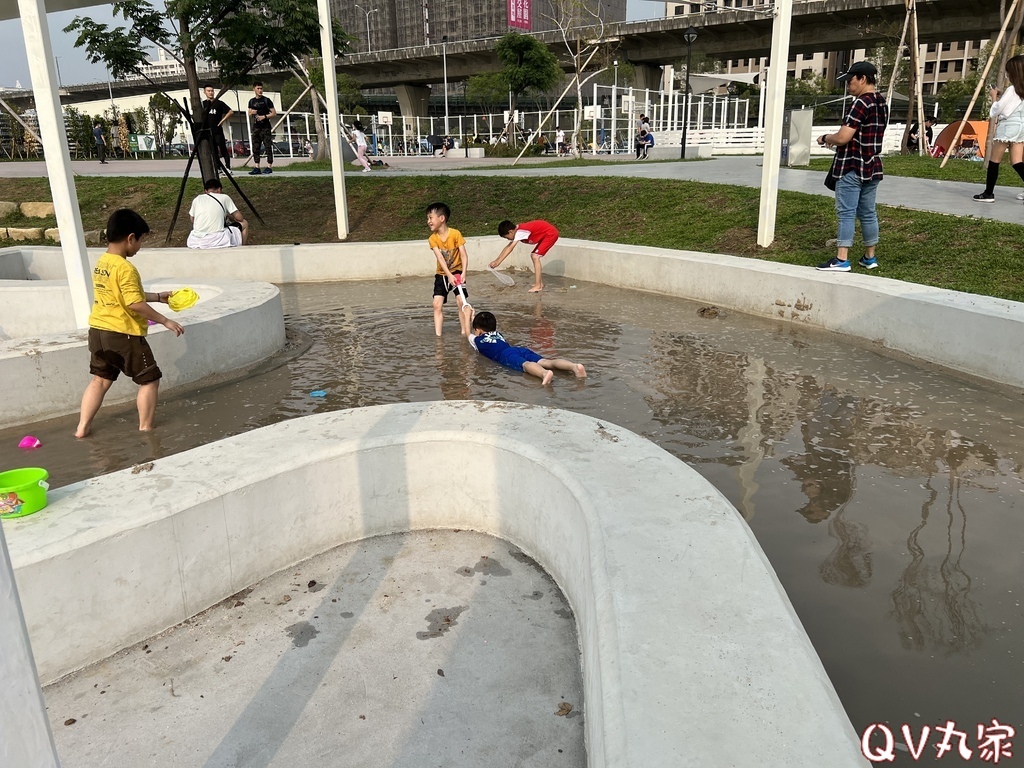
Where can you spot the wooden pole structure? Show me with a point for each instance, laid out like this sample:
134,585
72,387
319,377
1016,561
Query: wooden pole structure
898,57
981,82
915,51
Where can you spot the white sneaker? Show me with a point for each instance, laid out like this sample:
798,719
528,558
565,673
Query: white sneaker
1020,195
366,170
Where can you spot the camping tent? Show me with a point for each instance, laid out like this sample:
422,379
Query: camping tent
974,131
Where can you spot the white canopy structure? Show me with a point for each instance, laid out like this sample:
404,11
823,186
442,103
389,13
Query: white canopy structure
25,736
703,83
55,145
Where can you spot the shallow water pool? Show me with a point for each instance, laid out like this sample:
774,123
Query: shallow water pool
886,494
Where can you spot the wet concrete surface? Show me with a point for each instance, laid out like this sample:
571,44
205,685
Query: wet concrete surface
886,494
377,653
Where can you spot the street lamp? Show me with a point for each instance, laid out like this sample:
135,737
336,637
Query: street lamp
110,90
444,59
689,36
615,106
369,49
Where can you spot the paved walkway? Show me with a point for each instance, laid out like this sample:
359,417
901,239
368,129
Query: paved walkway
950,197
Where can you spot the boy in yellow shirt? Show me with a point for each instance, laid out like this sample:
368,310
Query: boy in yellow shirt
449,247
118,323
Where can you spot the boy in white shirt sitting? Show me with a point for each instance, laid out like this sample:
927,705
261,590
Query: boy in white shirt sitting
216,220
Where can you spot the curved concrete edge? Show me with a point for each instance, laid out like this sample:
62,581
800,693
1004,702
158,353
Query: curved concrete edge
692,653
235,325
974,334
19,308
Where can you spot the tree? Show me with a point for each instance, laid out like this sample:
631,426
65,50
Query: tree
78,127
165,119
582,28
233,35
489,90
527,64
138,120
349,94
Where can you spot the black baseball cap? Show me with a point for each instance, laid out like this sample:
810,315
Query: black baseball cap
857,69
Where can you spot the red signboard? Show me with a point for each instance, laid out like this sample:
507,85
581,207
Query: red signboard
519,14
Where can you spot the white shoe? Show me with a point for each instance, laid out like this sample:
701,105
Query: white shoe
1020,195
366,170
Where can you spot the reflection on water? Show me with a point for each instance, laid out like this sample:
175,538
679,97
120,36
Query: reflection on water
887,496
933,604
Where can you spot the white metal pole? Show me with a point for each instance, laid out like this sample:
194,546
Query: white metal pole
615,103
24,727
444,57
334,119
58,161
593,123
776,96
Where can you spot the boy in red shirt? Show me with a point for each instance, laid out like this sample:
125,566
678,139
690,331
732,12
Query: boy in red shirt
538,233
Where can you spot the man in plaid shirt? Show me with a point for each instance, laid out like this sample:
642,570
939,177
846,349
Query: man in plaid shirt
858,165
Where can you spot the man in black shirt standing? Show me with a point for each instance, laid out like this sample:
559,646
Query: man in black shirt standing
262,110
215,114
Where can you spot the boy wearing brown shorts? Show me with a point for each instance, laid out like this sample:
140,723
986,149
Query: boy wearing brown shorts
118,324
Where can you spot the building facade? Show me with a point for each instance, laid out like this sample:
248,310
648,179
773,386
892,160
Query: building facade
942,61
386,24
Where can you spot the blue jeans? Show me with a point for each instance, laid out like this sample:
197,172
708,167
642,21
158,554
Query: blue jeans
855,199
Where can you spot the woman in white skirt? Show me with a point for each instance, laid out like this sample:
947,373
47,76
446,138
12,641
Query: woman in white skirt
360,139
1008,110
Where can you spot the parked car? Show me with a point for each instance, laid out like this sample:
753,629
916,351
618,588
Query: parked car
178,150
281,148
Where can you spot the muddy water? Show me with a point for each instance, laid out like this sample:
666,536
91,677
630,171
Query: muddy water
887,496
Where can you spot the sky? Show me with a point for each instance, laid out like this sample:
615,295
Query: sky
75,68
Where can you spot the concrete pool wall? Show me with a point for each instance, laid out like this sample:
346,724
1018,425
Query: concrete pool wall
692,653
975,334
44,364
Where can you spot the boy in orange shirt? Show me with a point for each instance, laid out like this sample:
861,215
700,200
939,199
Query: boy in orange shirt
118,323
449,247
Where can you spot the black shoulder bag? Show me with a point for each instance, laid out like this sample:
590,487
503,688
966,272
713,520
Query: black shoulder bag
830,180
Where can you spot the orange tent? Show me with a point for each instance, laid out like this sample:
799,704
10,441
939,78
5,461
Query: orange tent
975,131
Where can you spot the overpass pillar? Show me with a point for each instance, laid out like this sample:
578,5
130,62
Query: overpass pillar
647,76
413,100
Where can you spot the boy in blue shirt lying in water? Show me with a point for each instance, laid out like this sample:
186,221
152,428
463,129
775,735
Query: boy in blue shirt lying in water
488,342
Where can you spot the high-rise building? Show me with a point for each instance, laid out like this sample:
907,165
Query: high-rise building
942,61
383,24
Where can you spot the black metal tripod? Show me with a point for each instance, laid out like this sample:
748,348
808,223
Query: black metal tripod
203,134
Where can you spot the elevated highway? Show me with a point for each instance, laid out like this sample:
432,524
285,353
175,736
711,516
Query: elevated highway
818,25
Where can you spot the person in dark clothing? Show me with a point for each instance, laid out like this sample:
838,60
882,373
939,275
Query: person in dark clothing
914,137
215,114
101,142
262,111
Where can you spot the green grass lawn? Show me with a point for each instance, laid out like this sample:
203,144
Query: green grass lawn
962,253
545,162
928,168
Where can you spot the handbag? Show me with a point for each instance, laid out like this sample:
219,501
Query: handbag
830,180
